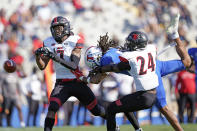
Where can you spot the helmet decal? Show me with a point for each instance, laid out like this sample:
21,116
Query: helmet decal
136,40
92,57
135,36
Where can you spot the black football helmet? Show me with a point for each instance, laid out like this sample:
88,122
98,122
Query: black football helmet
60,21
136,40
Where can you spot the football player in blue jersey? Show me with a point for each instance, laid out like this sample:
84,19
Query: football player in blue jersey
193,52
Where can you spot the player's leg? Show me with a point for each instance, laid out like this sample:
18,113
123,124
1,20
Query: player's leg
191,100
87,97
172,31
20,113
183,100
8,110
58,97
172,119
161,104
129,103
132,119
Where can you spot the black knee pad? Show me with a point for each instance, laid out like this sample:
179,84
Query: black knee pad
53,106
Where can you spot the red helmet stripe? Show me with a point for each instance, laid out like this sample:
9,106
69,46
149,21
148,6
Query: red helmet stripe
55,20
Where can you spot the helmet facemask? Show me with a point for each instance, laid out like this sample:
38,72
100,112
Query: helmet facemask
60,27
57,32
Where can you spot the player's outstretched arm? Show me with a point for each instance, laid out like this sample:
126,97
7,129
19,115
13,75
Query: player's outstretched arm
182,52
72,63
112,68
172,31
93,78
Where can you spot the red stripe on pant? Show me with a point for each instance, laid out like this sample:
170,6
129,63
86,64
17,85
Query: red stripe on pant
118,103
57,100
92,105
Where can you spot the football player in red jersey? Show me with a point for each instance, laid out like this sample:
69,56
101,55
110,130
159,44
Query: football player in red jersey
64,48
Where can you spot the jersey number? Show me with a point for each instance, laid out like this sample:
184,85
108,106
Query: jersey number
61,52
151,64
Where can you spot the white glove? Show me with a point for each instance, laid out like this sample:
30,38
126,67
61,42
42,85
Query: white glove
172,29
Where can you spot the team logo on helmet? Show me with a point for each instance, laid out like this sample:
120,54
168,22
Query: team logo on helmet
135,36
136,40
92,57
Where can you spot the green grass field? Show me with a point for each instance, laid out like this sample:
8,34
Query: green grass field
187,127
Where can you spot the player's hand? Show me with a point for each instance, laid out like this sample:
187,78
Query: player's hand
172,29
51,55
39,51
46,52
42,51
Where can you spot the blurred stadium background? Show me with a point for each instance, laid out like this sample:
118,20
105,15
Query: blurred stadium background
24,24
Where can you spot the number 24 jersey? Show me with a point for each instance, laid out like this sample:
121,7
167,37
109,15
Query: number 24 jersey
143,67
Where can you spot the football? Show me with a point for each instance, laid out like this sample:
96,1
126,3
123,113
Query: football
9,66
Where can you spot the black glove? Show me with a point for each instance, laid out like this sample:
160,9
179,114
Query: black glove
51,55
39,51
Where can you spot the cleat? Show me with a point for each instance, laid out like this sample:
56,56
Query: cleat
172,29
140,129
117,128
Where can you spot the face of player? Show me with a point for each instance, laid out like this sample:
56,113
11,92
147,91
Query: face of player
58,30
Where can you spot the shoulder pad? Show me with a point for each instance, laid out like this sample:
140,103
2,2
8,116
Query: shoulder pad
49,42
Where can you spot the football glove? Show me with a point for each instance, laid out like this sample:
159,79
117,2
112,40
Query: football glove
39,51
172,29
45,52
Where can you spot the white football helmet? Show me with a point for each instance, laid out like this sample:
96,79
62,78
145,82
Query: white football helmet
92,57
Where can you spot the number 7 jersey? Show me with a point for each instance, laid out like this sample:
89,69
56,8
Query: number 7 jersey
64,51
143,67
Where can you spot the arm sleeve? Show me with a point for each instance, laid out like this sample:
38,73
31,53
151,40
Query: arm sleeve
72,64
106,61
191,52
171,66
74,60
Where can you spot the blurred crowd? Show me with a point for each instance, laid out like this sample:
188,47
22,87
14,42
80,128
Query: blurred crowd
25,24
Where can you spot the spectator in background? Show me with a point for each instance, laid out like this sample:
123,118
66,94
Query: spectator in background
3,20
68,109
1,102
109,90
3,51
35,96
78,6
84,122
96,6
11,96
12,43
126,87
185,91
